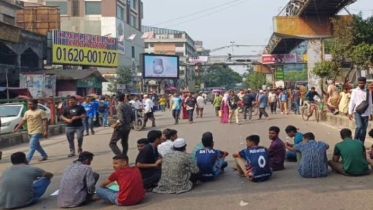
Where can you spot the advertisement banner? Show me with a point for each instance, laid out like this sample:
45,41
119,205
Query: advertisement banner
279,72
71,48
114,27
199,59
160,66
279,58
39,85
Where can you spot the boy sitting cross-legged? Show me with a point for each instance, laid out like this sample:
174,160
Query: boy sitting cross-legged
253,162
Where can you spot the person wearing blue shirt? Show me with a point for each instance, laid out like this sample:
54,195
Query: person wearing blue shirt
103,110
262,101
292,132
176,107
253,162
95,103
211,162
88,120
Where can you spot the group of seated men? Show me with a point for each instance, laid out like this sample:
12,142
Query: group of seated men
164,166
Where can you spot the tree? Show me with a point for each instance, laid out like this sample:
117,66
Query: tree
123,76
256,80
217,76
295,75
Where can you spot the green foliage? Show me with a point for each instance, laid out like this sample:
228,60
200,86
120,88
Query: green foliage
296,75
124,76
217,76
326,69
362,54
255,80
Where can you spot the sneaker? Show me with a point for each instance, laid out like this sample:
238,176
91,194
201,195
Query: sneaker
72,154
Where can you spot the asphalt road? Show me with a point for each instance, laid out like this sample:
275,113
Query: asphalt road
286,190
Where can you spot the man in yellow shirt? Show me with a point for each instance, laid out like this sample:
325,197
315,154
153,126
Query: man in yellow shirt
37,127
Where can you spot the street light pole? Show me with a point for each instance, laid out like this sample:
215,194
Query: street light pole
232,43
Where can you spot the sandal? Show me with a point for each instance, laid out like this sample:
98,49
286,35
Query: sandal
43,159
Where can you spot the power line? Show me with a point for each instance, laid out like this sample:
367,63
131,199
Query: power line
207,14
198,12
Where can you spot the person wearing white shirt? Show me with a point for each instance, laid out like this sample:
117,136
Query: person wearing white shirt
136,103
167,146
359,95
201,102
148,110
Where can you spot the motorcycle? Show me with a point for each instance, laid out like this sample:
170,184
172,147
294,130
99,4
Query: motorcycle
138,123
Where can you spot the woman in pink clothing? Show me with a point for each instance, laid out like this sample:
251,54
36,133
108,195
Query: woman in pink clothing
224,108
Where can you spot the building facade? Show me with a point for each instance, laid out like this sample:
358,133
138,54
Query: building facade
170,42
121,19
200,50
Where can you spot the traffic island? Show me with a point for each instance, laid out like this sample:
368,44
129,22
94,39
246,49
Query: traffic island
8,140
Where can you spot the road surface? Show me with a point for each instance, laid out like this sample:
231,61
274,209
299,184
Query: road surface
286,190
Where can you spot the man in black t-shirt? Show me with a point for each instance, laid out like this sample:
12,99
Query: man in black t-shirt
73,115
148,160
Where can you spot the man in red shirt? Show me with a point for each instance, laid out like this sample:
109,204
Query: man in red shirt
131,189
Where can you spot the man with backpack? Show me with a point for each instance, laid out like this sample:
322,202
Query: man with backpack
283,101
248,99
103,110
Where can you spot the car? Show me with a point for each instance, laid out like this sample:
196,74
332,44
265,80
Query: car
12,115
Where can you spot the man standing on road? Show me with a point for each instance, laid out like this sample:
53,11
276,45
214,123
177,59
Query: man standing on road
248,104
190,104
73,115
217,102
36,120
201,102
122,128
90,115
148,109
176,107
360,108
103,110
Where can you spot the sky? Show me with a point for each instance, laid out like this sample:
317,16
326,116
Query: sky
220,22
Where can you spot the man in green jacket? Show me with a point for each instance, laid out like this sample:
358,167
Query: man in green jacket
217,102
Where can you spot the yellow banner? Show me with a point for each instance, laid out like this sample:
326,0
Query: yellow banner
72,55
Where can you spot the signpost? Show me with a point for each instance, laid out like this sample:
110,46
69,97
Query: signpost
279,72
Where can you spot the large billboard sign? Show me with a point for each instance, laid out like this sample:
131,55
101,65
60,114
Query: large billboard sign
156,66
279,58
71,48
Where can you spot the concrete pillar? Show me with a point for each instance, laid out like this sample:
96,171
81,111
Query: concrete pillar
314,54
18,63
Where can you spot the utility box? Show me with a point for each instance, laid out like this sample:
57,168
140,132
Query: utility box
39,19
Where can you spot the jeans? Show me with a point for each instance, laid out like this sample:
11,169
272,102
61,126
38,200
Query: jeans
70,134
88,124
262,111
296,103
361,127
40,186
273,107
176,115
219,167
104,117
163,108
190,113
108,195
291,155
247,110
118,134
35,146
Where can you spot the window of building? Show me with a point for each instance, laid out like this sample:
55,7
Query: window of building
120,12
93,7
9,19
178,36
75,8
134,4
60,4
133,52
151,44
133,21
179,44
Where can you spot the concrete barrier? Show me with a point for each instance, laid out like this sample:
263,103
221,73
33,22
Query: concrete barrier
9,140
342,121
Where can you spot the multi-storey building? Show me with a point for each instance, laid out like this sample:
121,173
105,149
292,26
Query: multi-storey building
167,41
121,19
200,50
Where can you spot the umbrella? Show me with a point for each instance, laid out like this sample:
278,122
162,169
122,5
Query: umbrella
93,95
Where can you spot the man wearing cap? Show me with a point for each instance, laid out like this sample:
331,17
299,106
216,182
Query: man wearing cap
179,171
78,182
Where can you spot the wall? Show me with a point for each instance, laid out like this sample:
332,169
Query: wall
39,85
66,85
8,10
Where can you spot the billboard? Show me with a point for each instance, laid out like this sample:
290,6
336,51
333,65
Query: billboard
198,59
279,58
72,48
114,27
160,66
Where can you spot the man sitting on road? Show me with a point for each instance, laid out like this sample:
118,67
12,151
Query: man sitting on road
78,182
166,147
352,152
313,161
292,132
148,160
141,143
253,162
17,186
276,151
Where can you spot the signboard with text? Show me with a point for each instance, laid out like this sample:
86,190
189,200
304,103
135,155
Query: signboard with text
279,58
71,48
279,73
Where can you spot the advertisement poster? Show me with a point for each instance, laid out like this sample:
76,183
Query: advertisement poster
160,66
279,73
39,85
279,58
84,49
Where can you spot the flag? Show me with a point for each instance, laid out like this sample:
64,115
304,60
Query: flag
121,37
132,37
